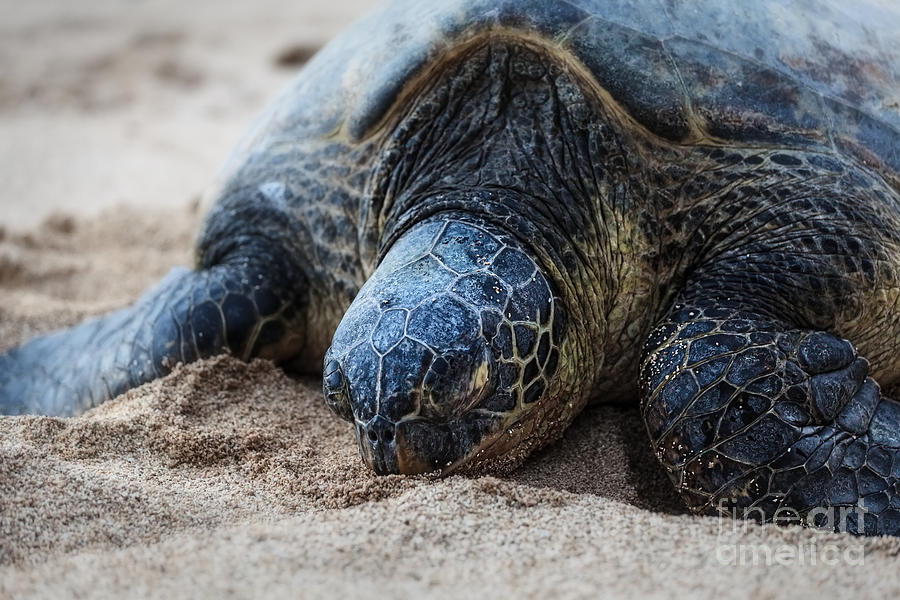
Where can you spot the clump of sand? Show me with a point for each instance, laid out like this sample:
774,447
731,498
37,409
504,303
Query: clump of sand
232,478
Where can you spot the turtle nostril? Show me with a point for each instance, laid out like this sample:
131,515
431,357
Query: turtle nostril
380,431
378,445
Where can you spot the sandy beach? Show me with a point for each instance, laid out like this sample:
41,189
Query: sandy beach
227,479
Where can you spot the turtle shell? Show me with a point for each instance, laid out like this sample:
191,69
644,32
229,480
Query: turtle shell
813,73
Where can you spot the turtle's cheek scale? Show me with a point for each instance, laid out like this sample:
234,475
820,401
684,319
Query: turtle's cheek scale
334,386
448,348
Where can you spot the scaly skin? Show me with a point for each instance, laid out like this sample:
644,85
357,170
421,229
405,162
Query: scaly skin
751,401
757,417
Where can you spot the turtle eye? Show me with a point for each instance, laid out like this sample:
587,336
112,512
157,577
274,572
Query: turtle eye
337,396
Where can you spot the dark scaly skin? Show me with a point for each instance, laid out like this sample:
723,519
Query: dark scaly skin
768,209
752,402
758,418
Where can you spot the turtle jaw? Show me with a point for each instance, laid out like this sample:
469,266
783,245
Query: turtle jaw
416,445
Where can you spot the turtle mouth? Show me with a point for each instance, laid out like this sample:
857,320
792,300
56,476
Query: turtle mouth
416,445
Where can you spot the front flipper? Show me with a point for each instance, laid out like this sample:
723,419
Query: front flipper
749,416
229,308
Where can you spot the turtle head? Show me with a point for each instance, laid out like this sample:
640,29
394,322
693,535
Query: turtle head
446,352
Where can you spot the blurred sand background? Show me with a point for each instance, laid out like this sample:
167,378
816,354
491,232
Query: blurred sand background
232,480
112,102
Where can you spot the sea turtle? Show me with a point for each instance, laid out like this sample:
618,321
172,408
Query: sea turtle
482,215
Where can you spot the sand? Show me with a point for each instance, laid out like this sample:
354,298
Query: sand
227,479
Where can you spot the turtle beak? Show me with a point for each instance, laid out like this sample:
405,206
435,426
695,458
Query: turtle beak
386,447
417,445
377,441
